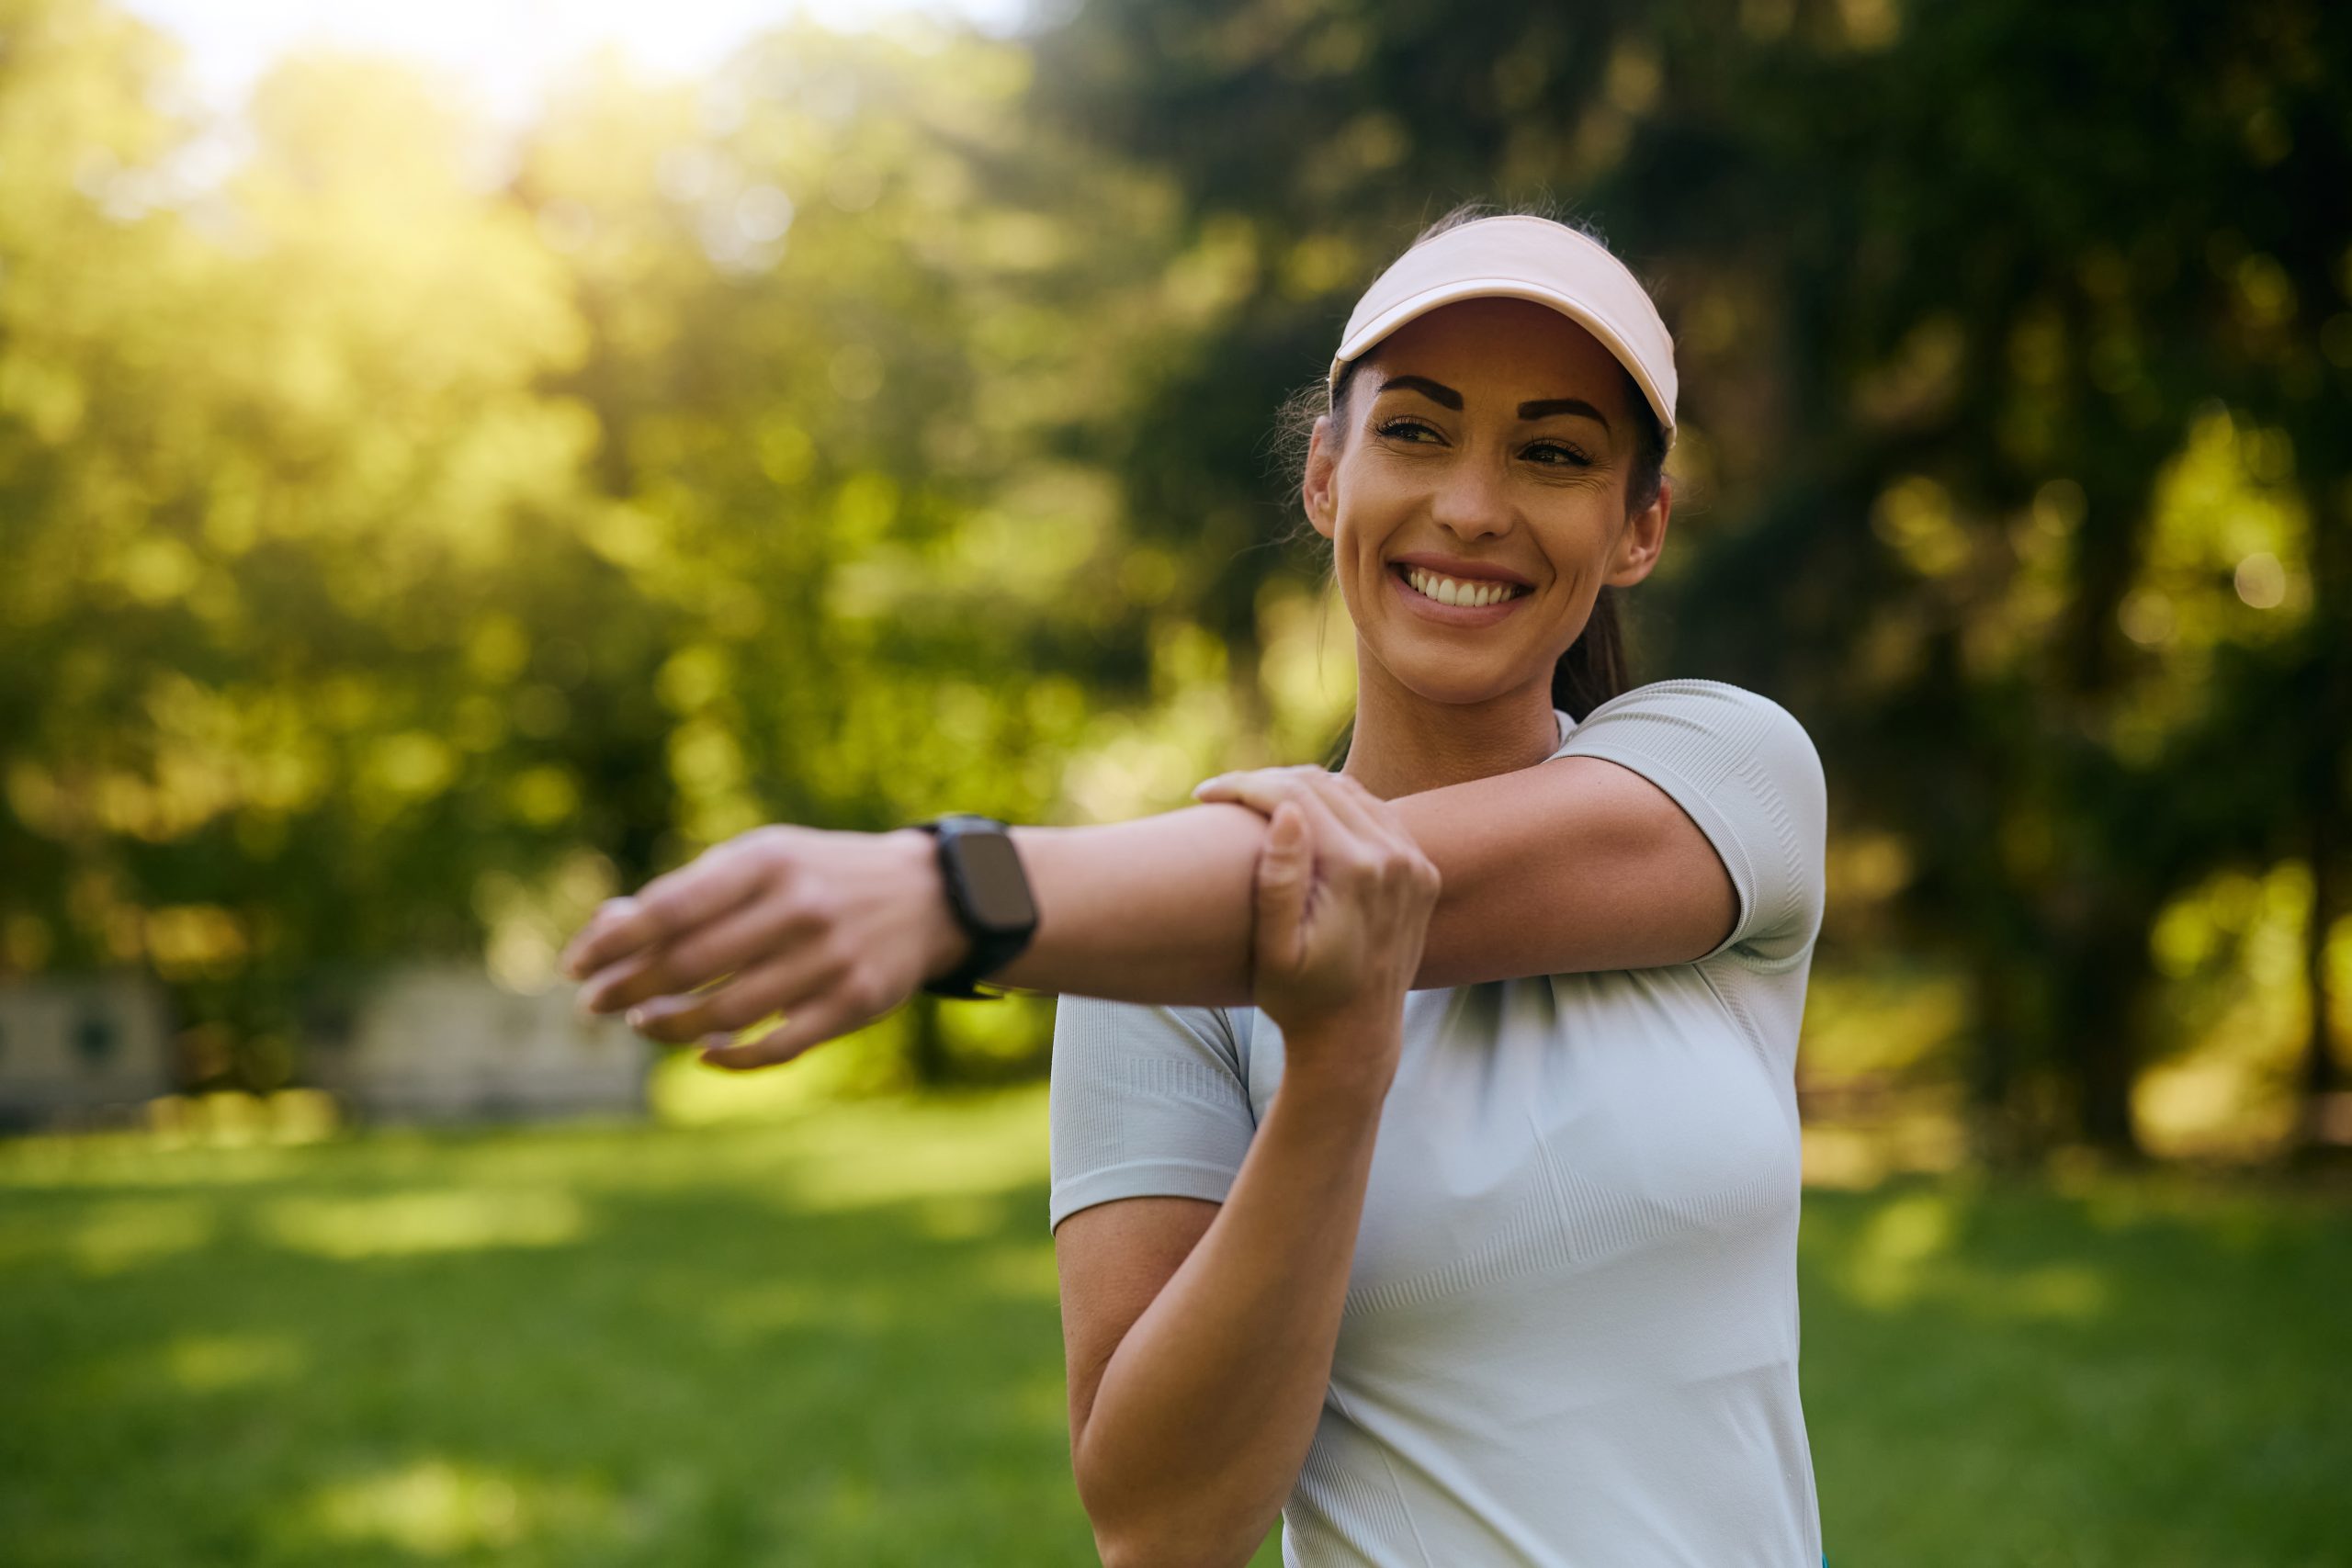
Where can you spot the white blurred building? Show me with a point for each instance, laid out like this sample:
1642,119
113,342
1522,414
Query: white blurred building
443,1042
87,1048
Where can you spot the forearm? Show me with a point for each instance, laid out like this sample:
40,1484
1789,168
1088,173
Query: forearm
1158,909
1573,865
1204,1413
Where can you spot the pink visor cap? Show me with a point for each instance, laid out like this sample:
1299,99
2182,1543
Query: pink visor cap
1522,257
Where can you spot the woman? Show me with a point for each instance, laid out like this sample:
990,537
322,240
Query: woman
1509,1274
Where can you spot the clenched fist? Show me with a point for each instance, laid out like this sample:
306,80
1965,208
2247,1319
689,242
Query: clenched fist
1343,903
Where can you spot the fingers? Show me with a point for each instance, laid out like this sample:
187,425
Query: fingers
1286,876
763,926
1403,863
1347,802
671,905
837,1013
1358,841
782,984
1260,789
1328,832
1362,840
1356,805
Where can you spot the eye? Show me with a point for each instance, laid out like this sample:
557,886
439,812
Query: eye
1400,428
1555,455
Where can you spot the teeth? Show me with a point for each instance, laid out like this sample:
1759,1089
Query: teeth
1446,591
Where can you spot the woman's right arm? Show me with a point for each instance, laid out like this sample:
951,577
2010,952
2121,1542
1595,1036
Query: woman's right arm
1198,1367
1193,1401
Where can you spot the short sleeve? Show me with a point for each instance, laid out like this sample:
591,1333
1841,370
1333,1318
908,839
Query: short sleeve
1746,772
1144,1101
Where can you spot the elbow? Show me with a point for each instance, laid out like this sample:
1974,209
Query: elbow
1189,1525
1127,1552
1180,1536
1163,1551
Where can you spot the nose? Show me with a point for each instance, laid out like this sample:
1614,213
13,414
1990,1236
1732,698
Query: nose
1473,499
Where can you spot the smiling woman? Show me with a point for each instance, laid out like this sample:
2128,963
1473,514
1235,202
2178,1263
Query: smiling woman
1562,1325
1424,1136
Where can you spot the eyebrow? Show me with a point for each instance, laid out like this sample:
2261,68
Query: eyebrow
1540,408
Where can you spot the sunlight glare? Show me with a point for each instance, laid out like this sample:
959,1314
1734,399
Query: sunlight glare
509,51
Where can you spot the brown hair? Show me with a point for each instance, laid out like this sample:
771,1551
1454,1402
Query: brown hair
1595,668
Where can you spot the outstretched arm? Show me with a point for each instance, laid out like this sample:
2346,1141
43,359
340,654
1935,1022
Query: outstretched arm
1572,864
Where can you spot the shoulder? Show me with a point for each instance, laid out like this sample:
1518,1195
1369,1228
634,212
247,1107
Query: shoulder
1705,702
1711,719
1743,769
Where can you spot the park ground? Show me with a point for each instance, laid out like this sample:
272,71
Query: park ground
834,1339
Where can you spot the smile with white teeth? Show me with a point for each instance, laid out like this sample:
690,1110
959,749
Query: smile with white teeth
1446,591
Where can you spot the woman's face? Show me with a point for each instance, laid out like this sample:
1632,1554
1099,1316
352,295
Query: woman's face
1492,438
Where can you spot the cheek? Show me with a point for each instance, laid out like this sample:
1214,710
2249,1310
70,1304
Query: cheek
1363,480
1369,503
1579,536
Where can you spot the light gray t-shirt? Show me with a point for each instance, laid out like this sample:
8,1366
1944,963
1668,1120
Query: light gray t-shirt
1570,1334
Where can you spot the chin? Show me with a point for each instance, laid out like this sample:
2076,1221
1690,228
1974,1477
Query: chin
1456,684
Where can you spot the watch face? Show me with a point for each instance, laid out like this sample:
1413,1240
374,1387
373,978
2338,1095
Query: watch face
993,884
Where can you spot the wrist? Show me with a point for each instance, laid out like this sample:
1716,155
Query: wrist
1346,1066
1340,1104
943,942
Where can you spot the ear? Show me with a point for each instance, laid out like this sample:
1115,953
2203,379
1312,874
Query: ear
1322,468
1639,542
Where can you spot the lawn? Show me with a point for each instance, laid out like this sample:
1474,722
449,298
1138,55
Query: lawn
833,1339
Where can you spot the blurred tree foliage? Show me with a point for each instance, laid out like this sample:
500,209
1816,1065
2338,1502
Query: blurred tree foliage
403,554
403,546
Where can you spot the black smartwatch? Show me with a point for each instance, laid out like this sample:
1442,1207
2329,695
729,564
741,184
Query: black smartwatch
988,892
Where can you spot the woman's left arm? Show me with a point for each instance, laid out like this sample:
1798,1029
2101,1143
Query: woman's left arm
1573,864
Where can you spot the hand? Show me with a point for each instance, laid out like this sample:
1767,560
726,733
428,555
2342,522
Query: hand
1343,902
833,929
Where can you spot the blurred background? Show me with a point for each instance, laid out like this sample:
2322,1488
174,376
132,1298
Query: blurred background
459,461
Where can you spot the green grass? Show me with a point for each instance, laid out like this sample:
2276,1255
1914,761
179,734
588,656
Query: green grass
836,1340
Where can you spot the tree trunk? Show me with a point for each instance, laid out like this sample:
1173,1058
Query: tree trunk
2106,1077
2322,1076
2107,986
927,1042
1997,1136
